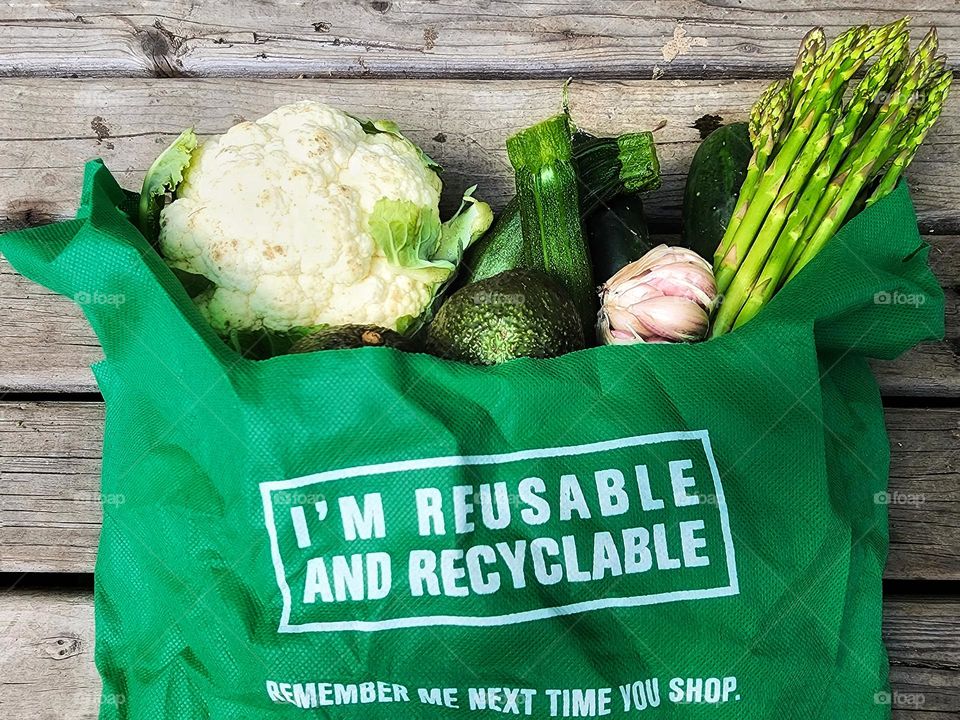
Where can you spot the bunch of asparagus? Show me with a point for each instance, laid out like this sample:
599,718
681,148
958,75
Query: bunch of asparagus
819,156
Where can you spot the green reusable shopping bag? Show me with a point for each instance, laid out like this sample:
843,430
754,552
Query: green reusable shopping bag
663,531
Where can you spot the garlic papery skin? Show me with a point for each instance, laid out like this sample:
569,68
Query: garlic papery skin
665,296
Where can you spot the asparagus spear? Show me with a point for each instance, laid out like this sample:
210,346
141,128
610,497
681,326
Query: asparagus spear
936,96
820,195
767,117
812,48
859,166
746,275
803,215
760,112
766,120
841,60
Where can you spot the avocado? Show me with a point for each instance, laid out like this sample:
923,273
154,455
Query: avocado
342,337
517,313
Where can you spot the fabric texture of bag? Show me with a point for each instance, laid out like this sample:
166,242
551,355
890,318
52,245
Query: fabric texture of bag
682,531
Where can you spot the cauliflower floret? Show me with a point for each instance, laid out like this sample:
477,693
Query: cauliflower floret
277,214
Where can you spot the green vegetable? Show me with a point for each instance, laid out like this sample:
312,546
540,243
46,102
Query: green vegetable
815,200
872,150
617,235
409,235
766,121
553,240
914,137
162,178
343,337
518,313
412,237
752,265
606,167
822,85
718,170
824,157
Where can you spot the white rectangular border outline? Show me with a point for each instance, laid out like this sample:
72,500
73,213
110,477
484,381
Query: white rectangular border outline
733,588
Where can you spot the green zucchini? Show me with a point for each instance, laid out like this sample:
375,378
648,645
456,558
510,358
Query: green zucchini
713,183
549,197
617,234
605,168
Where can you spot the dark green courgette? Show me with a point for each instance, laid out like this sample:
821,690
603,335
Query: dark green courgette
606,167
617,235
713,183
549,197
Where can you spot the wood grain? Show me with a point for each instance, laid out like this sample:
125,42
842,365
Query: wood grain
47,670
475,38
46,655
50,500
46,344
51,127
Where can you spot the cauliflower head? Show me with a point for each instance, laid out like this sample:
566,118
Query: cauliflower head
310,217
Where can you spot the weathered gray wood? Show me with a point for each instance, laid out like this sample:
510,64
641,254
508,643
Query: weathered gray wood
46,655
923,640
49,486
48,128
924,493
501,38
50,512
47,670
45,342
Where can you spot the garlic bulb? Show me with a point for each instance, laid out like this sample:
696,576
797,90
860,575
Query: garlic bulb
665,296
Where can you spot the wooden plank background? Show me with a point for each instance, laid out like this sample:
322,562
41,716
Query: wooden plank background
430,38
53,126
49,127
80,80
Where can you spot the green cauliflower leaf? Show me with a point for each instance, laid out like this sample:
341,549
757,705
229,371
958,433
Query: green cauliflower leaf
163,177
409,236
467,225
